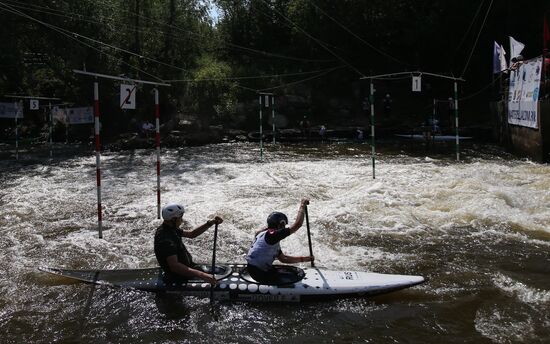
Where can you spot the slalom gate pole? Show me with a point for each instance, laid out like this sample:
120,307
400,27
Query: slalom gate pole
373,141
456,121
273,115
50,125
157,139
214,263
432,129
16,137
98,157
261,133
309,235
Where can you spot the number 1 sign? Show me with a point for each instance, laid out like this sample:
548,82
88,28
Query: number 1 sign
416,84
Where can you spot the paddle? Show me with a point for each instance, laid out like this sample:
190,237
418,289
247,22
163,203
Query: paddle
309,235
214,263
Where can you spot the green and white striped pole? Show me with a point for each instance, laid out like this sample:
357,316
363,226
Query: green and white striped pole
373,146
456,122
20,108
261,132
273,115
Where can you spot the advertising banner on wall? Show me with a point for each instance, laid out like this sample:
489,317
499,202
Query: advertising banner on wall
59,114
524,94
81,115
10,110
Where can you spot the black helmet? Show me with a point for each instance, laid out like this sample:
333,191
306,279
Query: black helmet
274,219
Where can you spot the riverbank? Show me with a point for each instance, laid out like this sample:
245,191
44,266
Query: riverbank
411,140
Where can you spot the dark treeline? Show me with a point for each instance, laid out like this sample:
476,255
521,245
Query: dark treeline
312,52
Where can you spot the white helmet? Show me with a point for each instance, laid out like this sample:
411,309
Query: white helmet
171,211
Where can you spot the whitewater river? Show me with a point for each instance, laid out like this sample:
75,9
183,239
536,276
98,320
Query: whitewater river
479,230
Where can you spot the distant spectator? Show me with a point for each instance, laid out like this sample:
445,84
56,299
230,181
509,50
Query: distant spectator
322,132
516,62
366,105
360,135
304,125
147,128
387,104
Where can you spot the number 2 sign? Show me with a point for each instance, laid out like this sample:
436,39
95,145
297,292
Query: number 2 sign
127,96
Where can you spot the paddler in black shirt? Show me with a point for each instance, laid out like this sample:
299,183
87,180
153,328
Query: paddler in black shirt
172,255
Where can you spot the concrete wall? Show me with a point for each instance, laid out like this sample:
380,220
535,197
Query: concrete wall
523,141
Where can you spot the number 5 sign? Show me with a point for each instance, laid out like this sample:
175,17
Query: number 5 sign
127,96
33,105
416,84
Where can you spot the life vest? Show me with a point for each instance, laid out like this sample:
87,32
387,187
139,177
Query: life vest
262,254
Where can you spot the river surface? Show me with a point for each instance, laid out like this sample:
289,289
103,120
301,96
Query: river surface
478,229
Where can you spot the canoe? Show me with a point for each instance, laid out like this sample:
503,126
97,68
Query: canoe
419,137
235,284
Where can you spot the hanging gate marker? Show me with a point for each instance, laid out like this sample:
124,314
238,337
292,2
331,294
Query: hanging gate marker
128,96
34,104
157,140
456,120
265,99
416,87
373,141
97,134
98,158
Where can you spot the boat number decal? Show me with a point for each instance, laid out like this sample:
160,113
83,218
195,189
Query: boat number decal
348,275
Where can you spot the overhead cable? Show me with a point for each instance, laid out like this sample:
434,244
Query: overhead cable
477,38
316,40
357,36
253,77
8,8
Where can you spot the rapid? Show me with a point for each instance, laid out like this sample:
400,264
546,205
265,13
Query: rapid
478,229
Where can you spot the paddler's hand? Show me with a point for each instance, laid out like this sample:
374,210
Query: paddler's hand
216,221
308,259
305,202
209,279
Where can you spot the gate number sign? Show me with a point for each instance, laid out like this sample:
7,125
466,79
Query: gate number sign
33,105
416,84
127,96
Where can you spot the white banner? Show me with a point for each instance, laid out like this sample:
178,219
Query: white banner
59,114
524,94
81,115
515,48
10,110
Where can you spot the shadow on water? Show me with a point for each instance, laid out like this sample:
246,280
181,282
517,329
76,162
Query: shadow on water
172,306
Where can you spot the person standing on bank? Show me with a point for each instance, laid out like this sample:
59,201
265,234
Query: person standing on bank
266,248
172,255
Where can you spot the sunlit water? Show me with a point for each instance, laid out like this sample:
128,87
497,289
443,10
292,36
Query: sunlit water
479,230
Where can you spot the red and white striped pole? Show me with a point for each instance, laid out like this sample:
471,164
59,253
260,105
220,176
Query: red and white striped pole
97,156
157,139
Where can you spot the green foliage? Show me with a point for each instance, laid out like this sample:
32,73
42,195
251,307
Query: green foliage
44,40
213,94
